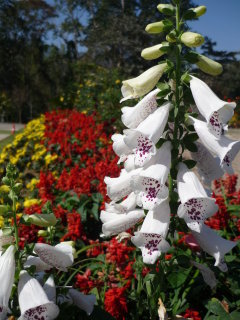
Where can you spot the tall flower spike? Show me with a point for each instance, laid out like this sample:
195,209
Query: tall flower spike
7,271
115,223
208,166
60,256
133,116
151,238
142,140
195,205
118,188
216,111
82,301
141,85
33,301
125,206
119,147
225,148
214,245
150,183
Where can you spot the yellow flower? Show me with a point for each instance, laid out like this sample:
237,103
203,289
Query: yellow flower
117,81
30,202
4,189
1,221
61,99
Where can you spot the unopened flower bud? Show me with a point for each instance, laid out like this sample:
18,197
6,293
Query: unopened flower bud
167,9
192,39
42,233
209,66
201,10
155,27
152,53
171,37
41,220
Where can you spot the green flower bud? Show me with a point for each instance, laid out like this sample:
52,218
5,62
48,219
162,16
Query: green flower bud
167,9
155,27
209,66
41,220
201,10
152,53
192,39
42,233
171,37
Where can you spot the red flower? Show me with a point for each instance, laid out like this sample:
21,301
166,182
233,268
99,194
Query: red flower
74,227
115,303
192,314
118,252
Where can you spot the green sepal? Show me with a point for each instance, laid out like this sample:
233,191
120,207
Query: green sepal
191,146
192,57
189,15
168,24
190,163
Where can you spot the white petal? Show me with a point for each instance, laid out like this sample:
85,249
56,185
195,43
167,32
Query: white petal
141,85
207,273
133,116
126,205
60,256
207,165
119,147
150,239
118,188
33,301
214,245
121,222
129,164
216,111
225,148
50,289
36,261
82,301
7,272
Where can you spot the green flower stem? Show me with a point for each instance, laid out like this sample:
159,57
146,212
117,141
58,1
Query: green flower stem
15,222
175,142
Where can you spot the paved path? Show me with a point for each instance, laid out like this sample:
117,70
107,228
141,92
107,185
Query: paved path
5,126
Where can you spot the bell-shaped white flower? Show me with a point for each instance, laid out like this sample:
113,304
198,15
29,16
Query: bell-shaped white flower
133,116
115,223
142,140
195,205
151,238
60,256
141,85
208,166
50,289
207,273
119,147
125,206
225,148
33,301
83,301
38,263
149,184
214,245
118,188
216,111
7,271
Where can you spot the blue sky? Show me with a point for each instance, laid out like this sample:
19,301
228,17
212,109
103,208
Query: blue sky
221,23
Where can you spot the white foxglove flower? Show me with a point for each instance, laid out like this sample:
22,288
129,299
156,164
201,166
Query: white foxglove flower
141,85
119,147
225,148
33,301
118,188
38,263
142,140
114,223
214,245
7,271
216,111
83,301
195,205
208,166
60,256
129,164
50,289
207,273
133,116
151,238
149,184
5,239
123,207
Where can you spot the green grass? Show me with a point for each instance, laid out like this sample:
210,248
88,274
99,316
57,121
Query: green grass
9,139
5,131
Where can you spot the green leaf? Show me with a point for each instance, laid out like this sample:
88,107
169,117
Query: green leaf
163,86
191,146
160,143
178,277
189,15
215,306
190,163
192,57
235,315
168,24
